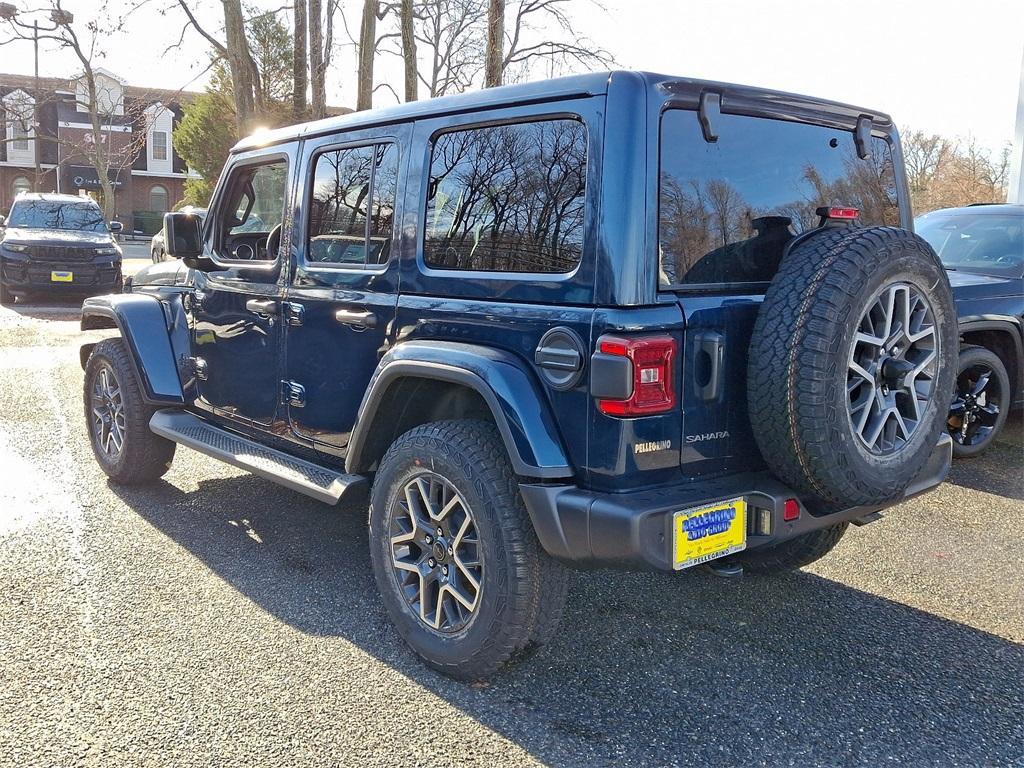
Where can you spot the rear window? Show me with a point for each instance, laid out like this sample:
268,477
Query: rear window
727,210
51,214
508,198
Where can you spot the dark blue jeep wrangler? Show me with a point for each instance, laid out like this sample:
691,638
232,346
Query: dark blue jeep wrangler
620,319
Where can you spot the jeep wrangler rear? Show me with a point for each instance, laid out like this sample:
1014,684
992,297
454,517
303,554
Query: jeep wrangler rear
617,319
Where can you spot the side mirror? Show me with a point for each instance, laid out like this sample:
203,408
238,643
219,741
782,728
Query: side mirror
182,235
116,226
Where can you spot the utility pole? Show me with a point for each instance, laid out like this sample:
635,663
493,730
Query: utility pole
35,109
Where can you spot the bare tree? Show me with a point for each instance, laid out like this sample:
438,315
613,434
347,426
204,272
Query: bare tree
411,70
367,51
235,50
105,146
494,56
528,39
451,33
299,62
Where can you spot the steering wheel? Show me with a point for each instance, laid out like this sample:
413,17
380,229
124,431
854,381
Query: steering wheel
273,242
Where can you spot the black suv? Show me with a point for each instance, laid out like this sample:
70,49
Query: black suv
57,244
615,319
982,246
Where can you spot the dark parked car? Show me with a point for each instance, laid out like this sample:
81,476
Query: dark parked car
983,248
57,244
616,319
157,249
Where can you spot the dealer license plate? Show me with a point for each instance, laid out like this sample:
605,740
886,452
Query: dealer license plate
705,533
62,277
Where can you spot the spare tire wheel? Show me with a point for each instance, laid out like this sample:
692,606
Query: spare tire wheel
852,364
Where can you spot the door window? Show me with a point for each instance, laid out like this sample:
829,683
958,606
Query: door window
508,198
253,208
352,206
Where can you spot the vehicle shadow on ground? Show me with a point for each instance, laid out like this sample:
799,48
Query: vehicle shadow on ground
1000,470
646,668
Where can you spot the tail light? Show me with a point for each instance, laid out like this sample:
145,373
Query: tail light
651,359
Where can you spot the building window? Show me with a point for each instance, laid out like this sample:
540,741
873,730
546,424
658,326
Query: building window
21,184
19,135
158,199
159,145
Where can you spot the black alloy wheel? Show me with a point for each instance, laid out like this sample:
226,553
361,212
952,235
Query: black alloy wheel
978,410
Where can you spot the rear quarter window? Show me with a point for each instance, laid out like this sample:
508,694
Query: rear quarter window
727,209
508,198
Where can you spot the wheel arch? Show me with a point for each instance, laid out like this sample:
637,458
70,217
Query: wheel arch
417,382
1003,337
144,327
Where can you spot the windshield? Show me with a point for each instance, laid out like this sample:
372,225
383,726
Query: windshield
986,243
51,214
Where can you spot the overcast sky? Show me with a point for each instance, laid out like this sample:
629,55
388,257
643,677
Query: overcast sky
945,66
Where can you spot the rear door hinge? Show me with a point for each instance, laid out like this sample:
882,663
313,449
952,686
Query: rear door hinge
199,368
293,394
294,313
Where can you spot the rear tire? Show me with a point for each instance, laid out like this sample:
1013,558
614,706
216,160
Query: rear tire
118,418
792,554
461,466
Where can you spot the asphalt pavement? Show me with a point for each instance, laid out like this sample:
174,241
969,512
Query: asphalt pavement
217,619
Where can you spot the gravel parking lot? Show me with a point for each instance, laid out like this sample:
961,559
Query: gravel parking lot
215,618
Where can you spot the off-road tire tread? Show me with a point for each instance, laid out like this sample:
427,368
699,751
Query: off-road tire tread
147,456
536,595
792,554
795,334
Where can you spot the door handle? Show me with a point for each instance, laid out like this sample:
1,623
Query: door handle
262,307
357,318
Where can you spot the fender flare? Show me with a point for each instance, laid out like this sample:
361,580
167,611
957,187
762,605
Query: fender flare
516,402
1004,324
144,328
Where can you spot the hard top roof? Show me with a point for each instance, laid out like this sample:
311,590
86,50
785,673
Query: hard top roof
591,84
55,198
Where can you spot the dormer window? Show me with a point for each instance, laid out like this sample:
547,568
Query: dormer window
159,145
18,110
159,122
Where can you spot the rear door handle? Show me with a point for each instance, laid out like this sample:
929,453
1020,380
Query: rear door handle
262,307
357,318
711,346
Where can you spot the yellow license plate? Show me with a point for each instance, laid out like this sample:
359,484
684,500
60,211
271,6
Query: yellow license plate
704,533
62,277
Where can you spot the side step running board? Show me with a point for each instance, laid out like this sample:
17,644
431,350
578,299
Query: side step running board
321,483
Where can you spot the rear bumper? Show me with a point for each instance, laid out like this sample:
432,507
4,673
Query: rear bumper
634,530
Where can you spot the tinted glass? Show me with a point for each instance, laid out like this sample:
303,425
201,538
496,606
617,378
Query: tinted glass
508,198
258,194
728,209
353,205
49,214
987,243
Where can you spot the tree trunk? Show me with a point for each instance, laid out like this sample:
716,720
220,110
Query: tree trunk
242,67
495,53
409,51
318,97
299,63
367,49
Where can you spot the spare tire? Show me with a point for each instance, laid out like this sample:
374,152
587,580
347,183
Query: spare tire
852,364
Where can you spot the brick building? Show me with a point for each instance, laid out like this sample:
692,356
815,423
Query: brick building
148,176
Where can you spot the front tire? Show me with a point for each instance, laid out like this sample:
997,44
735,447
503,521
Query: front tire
118,419
980,401
459,567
